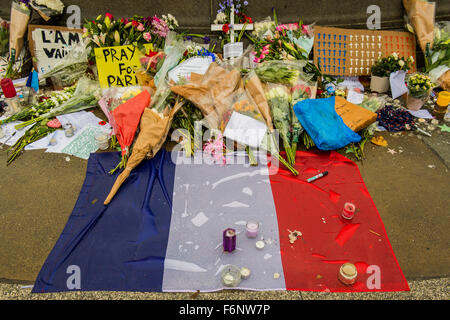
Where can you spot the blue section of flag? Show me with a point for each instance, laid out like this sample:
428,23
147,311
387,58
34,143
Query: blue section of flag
119,247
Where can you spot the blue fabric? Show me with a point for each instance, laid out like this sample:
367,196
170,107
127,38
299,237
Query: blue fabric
33,81
121,246
325,127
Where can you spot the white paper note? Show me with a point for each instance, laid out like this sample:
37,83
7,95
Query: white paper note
233,50
398,86
245,130
195,64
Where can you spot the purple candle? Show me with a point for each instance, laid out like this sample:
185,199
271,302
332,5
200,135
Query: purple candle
252,229
229,240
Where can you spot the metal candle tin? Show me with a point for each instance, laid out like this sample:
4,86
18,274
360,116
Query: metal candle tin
348,273
349,211
229,240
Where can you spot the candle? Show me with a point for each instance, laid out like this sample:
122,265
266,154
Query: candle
102,141
245,273
252,229
259,245
231,276
229,240
348,273
349,211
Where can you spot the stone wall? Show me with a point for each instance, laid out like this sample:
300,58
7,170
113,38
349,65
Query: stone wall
196,15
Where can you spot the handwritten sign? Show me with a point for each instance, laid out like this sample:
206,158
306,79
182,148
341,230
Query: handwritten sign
116,65
50,44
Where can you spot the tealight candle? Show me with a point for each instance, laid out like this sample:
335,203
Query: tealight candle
245,273
259,245
252,229
349,211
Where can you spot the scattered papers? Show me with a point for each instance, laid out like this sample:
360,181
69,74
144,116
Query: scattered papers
398,86
422,113
355,97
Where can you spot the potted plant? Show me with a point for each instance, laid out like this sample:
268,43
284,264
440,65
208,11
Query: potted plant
419,87
382,69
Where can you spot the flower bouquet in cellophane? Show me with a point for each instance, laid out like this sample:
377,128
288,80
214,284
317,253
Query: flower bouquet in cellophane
279,101
239,119
300,91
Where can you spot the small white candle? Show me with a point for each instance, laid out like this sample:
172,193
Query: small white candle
245,273
259,245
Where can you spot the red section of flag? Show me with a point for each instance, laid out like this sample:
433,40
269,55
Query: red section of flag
313,261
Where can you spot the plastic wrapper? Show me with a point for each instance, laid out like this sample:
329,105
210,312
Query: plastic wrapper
421,14
283,72
208,92
279,100
255,89
374,102
173,49
48,8
71,68
20,15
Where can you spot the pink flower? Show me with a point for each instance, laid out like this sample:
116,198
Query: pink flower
147,36
256,60
214,149
140,27
85,30
305,29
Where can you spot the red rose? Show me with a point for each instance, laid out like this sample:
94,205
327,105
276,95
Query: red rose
249,20
109,15
226,28
134,23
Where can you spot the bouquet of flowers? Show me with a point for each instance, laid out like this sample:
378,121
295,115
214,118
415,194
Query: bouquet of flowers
4,37
224,14
383,67
437,59
47,8
35,133
283,72
279,102
48,102
241,121
275,41
419,86
85,96
107,31
301,91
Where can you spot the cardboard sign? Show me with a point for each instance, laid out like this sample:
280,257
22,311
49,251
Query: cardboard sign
350,52
117,65
50,44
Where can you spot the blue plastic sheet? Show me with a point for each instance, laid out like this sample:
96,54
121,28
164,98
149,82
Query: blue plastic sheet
325,127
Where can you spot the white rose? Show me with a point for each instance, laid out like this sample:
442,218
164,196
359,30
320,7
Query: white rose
401,63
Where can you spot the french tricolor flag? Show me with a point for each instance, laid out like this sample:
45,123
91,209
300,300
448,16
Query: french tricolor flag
163,230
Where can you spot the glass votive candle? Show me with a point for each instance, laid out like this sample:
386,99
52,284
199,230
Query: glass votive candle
102,140
252,229
231,276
